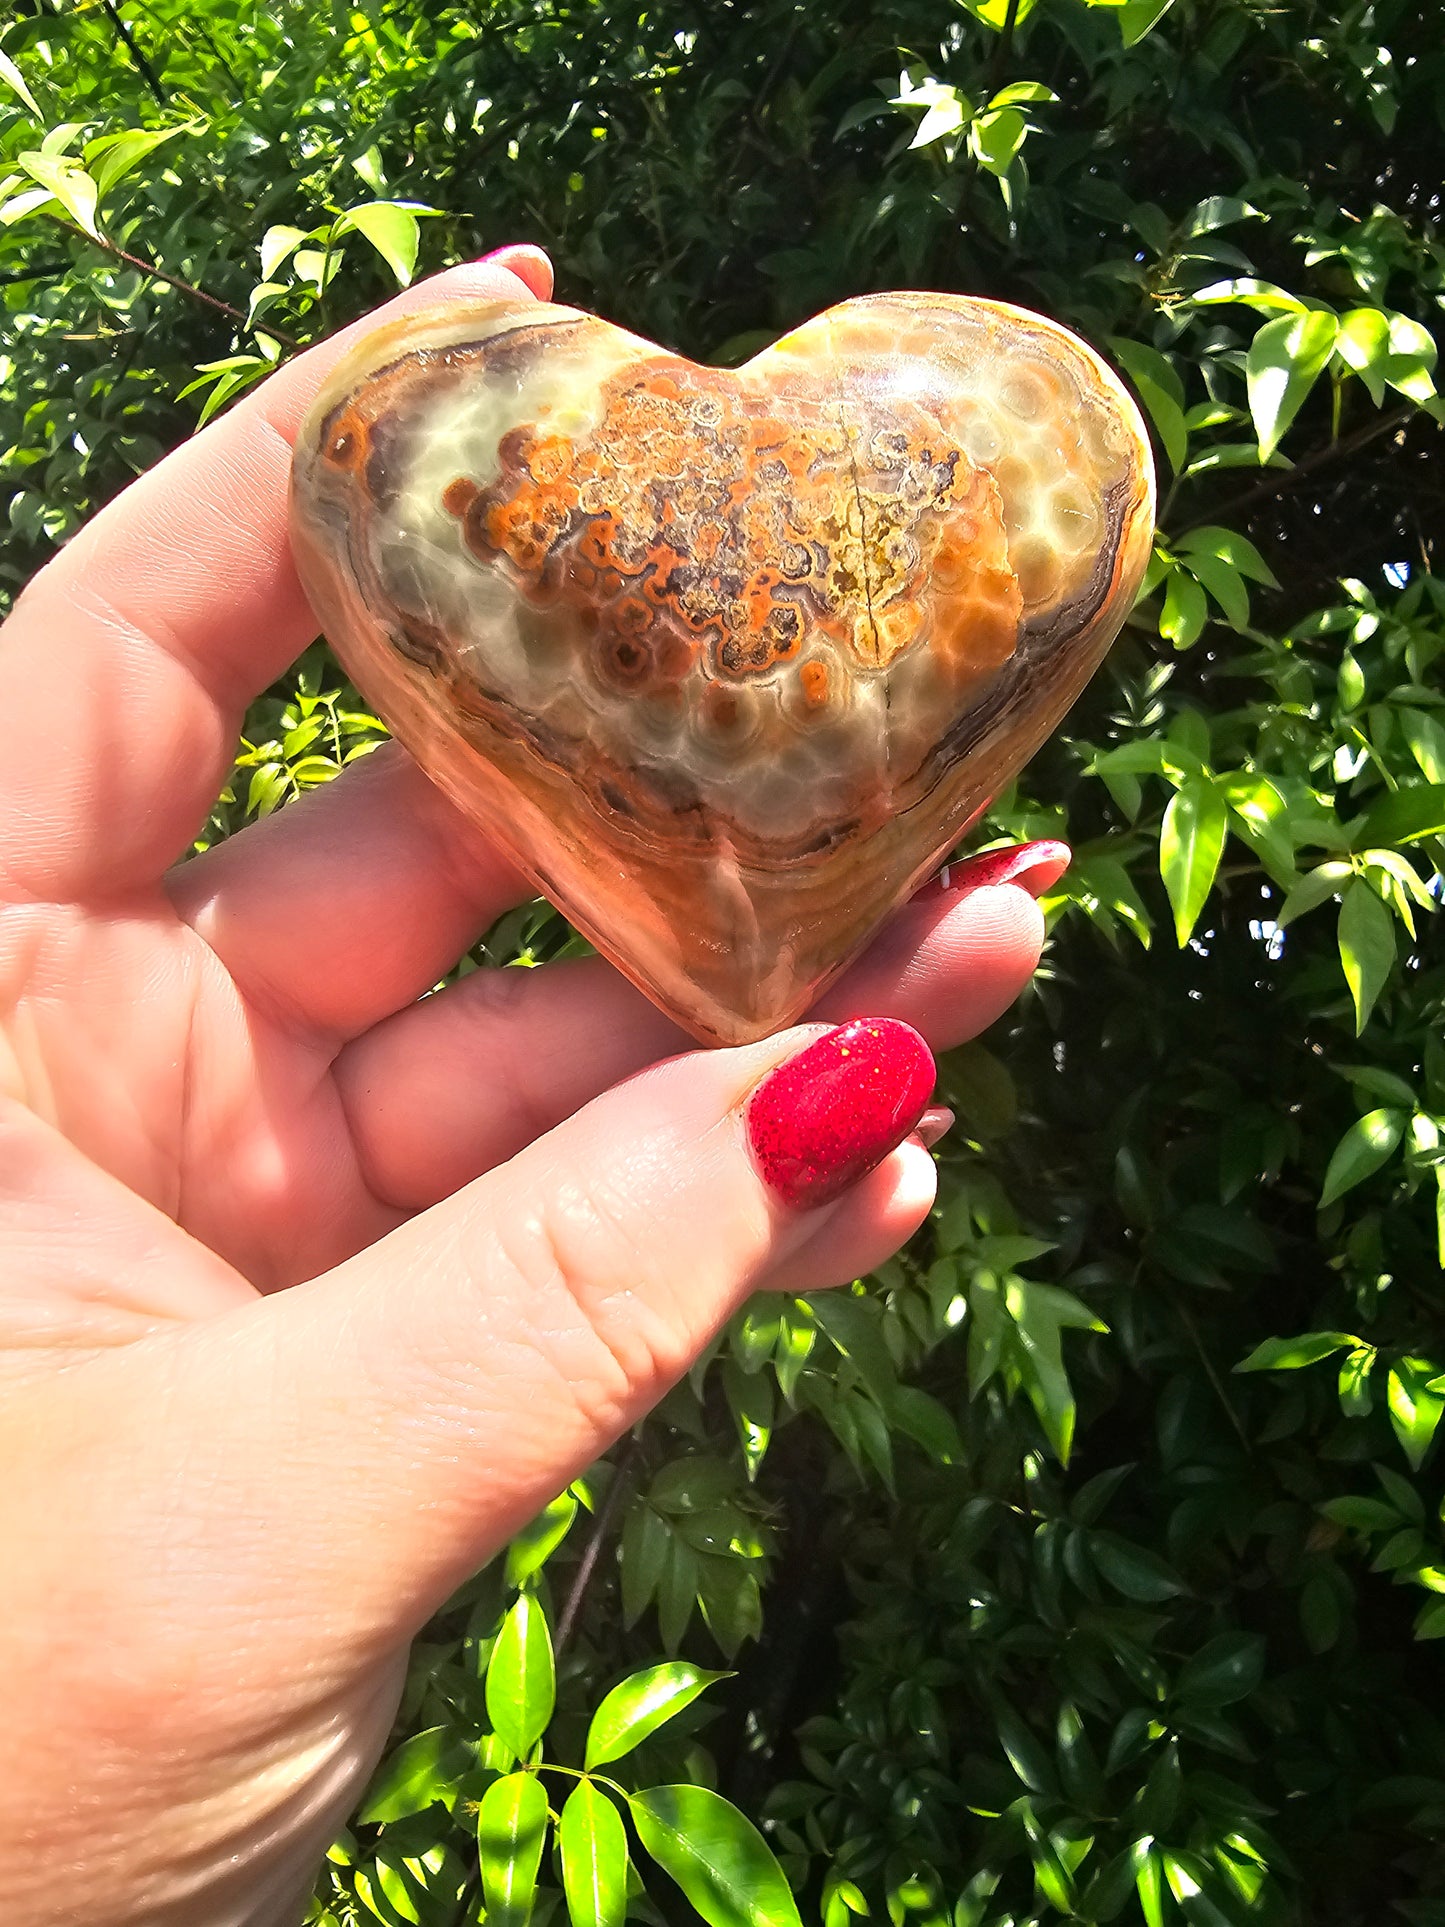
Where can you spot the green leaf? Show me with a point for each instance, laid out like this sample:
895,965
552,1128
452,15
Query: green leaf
1149,1881
639,1705
535,1543
996,138
1190,846
1368,1143
1404,816
67,181
1185,612
593,1843
1289,1354
1140,17
1364,346
1026,1752
1412,356
1224,1670
1357,1398
646,1543
11,75
521,1678
1321,1613
1160,390
1367,947
1325,881
1224,583
1133,1570
1219,211
511,1832
1227,545
1359,1514
729,1594
1375,1081
393,230
1424,732
1022,90
1040,1314
420,1886
423,1770
277,244
993,13
1285,360
113,156
1415,1409
716,1855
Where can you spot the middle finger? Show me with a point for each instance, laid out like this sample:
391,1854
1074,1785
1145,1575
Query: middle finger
454,1085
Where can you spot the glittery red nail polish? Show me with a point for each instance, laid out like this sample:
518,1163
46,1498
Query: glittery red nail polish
1035,867
824,1119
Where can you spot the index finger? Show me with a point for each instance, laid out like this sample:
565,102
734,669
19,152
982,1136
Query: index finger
157,625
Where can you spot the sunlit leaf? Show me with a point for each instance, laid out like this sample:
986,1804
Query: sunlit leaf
716,1855
1367,947
521,1678
511,1832
1289,1354
1368,1143
639,1705
593,1843
1286,357
535,1543
393,229
12,78
1191,843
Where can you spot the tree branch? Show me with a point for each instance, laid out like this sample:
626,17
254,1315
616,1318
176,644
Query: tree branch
143,266
601,1525
1309,464
142,65
47,271
1003,49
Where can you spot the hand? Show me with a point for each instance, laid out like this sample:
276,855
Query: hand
228,1507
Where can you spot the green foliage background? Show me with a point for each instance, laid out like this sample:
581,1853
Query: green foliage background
1087,1563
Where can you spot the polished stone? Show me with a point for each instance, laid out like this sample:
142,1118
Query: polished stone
725,660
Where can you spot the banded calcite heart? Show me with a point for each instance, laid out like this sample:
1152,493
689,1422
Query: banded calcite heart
724,660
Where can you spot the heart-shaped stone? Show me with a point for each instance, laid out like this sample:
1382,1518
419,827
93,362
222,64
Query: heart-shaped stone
725,660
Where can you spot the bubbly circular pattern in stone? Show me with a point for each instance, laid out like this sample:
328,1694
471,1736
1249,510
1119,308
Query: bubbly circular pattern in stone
724,659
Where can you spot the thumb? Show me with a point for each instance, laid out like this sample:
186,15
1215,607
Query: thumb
406,1413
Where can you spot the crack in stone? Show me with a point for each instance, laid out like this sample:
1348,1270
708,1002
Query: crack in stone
841,394
849,443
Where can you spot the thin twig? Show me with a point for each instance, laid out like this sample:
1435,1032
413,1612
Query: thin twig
587,1564
142,65
47,271
1003,48
174,281
1308,465
1226,1402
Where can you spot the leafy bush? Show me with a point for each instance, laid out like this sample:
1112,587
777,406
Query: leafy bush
1086,1563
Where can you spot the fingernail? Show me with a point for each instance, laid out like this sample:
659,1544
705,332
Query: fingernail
828,1116
935,1122
527,261
1035,867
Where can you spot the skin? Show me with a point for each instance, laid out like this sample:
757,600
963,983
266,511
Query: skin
312,1294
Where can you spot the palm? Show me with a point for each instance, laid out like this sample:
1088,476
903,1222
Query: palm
200,1099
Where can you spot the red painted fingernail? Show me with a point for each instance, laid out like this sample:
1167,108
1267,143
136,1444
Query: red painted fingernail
935,1123
527,261
1035,867
824,1119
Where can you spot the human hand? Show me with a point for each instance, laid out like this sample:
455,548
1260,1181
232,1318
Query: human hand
228,1506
